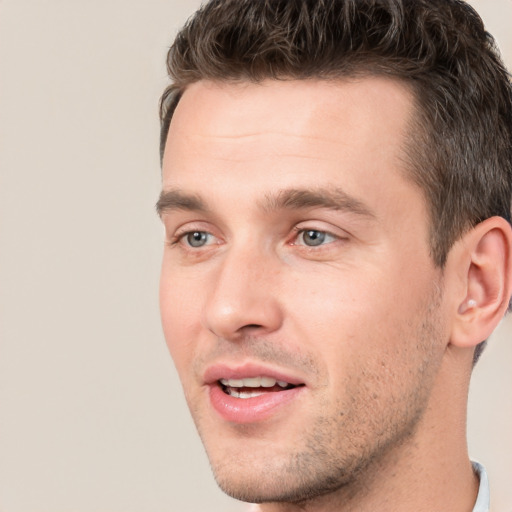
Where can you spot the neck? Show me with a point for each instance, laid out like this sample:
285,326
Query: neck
429,471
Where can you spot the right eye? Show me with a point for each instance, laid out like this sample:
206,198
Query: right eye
197,238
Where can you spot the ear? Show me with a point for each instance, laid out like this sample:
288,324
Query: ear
483,257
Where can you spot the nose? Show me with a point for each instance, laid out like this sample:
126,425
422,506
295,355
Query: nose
244,296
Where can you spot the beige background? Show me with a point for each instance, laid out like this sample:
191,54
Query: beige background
91,413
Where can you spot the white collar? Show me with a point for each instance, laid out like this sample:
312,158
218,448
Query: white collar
483,499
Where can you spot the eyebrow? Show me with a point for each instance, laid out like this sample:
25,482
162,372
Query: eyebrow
330,198
170,200
287,199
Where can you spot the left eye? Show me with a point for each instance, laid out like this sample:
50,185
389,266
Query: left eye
314,237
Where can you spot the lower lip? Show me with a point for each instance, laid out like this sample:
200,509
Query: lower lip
250,410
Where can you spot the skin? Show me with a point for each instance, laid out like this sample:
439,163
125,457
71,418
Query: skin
364,319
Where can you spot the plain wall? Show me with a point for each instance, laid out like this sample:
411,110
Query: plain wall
91,413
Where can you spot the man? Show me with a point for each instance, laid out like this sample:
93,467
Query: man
337,180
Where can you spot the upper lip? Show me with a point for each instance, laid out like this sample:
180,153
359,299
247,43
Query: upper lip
215,372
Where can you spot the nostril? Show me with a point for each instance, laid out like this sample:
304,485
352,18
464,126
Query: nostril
251,330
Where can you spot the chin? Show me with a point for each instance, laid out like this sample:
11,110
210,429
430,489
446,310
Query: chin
270,489
273,479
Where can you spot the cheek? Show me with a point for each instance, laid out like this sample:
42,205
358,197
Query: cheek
357,315
341,303
180,314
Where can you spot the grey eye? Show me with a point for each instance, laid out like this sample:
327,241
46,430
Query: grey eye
197,238
312,237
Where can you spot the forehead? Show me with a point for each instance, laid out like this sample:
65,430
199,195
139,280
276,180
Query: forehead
376,94
378,107
279,134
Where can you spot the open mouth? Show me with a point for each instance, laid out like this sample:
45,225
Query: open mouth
247,394
253,386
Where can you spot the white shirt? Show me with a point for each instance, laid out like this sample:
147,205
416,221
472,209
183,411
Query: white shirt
483,499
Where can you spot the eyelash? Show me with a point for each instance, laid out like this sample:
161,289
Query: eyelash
301,231
203,235
181,238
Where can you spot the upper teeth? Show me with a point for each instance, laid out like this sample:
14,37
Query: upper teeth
253,382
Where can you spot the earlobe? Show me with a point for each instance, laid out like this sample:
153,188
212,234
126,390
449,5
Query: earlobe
467,305
485,255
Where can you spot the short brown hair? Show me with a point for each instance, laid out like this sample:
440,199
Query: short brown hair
460,152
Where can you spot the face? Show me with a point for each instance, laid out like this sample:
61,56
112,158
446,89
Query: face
298,298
